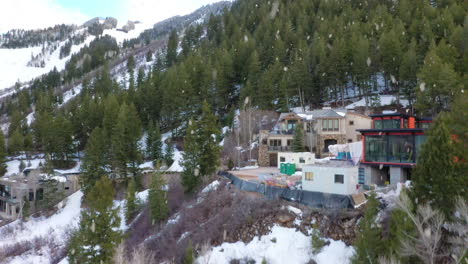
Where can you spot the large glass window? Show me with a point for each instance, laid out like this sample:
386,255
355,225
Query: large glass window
419,141
376,148
378,124
401,149
291,125
391,123
309,176
387,124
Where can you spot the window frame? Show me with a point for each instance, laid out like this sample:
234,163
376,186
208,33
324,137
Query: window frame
342,179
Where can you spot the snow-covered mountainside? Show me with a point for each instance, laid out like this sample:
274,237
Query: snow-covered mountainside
15,61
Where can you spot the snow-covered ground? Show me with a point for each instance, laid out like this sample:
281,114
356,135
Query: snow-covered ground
120,36
14,62
54,227
384,100
13,165
281,245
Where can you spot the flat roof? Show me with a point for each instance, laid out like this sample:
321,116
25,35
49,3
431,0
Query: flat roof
332,164
390,114
390,130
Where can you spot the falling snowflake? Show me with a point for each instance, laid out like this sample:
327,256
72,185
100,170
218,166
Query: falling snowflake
368,61
422,86
285,69
246,38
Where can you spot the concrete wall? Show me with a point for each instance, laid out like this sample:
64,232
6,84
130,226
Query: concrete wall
294,157
373,175
356,121
397,174
324,179
377,176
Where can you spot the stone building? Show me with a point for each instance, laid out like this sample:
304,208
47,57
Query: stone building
33,186
322,128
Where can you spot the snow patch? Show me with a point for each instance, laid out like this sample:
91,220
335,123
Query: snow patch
211,187
281,245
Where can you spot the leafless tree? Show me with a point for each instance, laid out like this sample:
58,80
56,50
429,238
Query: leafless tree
459,231
426,245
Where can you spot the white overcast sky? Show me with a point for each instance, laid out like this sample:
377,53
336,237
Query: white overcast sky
32,14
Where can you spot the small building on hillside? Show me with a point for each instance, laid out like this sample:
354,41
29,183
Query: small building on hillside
31,187
332,176
322,128
300,159
391,148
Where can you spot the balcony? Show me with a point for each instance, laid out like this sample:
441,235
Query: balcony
279,148
282,132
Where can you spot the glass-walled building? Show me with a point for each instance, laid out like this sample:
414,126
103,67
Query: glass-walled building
391,148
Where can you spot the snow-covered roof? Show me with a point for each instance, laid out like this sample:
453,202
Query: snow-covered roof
319,113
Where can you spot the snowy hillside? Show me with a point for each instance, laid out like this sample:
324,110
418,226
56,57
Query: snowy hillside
14,61
42,238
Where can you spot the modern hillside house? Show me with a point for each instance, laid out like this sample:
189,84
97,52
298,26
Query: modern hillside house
391,148
322,128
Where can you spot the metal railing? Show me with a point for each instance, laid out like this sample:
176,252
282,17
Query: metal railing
279,148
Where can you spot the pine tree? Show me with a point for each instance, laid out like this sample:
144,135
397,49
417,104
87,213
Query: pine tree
172,44
168,154
189,257
298,140
125,137
208,140
149,56
98,233
157,198
437,170
132,201
191,156
15,142
368,243
439,84
3,155
95,161
154,143
22,166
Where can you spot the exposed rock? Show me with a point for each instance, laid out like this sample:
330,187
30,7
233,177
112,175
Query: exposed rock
285,218
128,27
110,23
91,22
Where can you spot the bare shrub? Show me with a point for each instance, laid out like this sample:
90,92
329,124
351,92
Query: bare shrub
119,255
15,249
428,222
212,217
141,255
